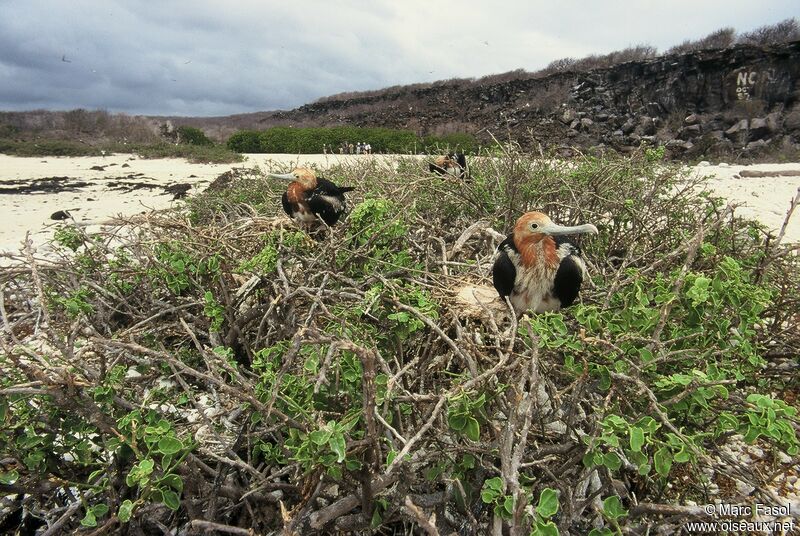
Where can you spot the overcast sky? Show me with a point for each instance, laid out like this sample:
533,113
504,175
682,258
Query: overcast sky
203,57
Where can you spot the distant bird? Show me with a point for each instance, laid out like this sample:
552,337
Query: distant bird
309,197
454,164
538,268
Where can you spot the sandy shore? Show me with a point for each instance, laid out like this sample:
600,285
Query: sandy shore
118,185
94,189
764,198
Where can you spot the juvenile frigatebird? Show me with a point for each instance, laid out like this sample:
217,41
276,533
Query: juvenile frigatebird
309,197
454,164
537,267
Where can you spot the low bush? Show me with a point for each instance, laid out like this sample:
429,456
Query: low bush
217,368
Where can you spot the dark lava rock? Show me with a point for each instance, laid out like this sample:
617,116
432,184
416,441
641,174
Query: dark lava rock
691,119
179,191
60,215
690,131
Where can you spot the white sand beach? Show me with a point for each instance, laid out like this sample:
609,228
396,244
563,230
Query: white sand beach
125,185
764,198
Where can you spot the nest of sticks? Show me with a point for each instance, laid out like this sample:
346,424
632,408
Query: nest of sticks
365,378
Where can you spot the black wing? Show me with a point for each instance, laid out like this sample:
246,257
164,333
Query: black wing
504,273
436,169
569,277
326,187
287,207
327,201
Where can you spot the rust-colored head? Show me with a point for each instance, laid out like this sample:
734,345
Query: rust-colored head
303,176
533,228
537,225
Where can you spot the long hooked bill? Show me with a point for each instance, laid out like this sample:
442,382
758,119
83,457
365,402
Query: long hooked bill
555,229
285,176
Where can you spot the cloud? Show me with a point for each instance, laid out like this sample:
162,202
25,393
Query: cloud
207,58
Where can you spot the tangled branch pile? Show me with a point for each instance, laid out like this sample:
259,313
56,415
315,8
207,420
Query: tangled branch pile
216,369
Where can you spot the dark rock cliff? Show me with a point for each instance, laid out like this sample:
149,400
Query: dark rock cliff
741,99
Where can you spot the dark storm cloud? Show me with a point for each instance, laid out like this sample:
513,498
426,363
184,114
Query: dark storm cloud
212,58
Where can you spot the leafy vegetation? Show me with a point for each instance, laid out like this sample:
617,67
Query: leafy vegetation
331,139
193,136
218,365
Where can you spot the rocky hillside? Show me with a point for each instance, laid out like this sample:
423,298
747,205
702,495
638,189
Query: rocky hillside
740,100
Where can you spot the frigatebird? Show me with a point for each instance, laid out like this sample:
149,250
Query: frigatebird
310,198
538,268
454,164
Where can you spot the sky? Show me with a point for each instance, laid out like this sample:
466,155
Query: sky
207,58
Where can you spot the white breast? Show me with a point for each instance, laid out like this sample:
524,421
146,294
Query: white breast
303,214
532,287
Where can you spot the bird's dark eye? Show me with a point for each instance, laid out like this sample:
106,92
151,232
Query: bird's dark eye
534,226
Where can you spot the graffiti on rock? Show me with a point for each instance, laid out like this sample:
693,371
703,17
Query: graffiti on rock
745,82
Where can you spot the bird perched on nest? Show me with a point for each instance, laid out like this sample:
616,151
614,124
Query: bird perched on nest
454,164
538,268
309,198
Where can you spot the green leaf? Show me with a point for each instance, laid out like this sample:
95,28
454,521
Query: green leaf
601,532
645,355
682,456
663,461
612,461
9,477
467,461
545,529
612,507
173,481
495,483
644,469
146,466
125,511
338,446
648,424
457,421
376,520
637,439
166,461
488,495
473,429
89,520
91,478
320,437
548,503
171,499
508,504
169,445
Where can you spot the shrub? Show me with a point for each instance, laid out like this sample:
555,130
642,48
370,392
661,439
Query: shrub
336,383
193,136
771,34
